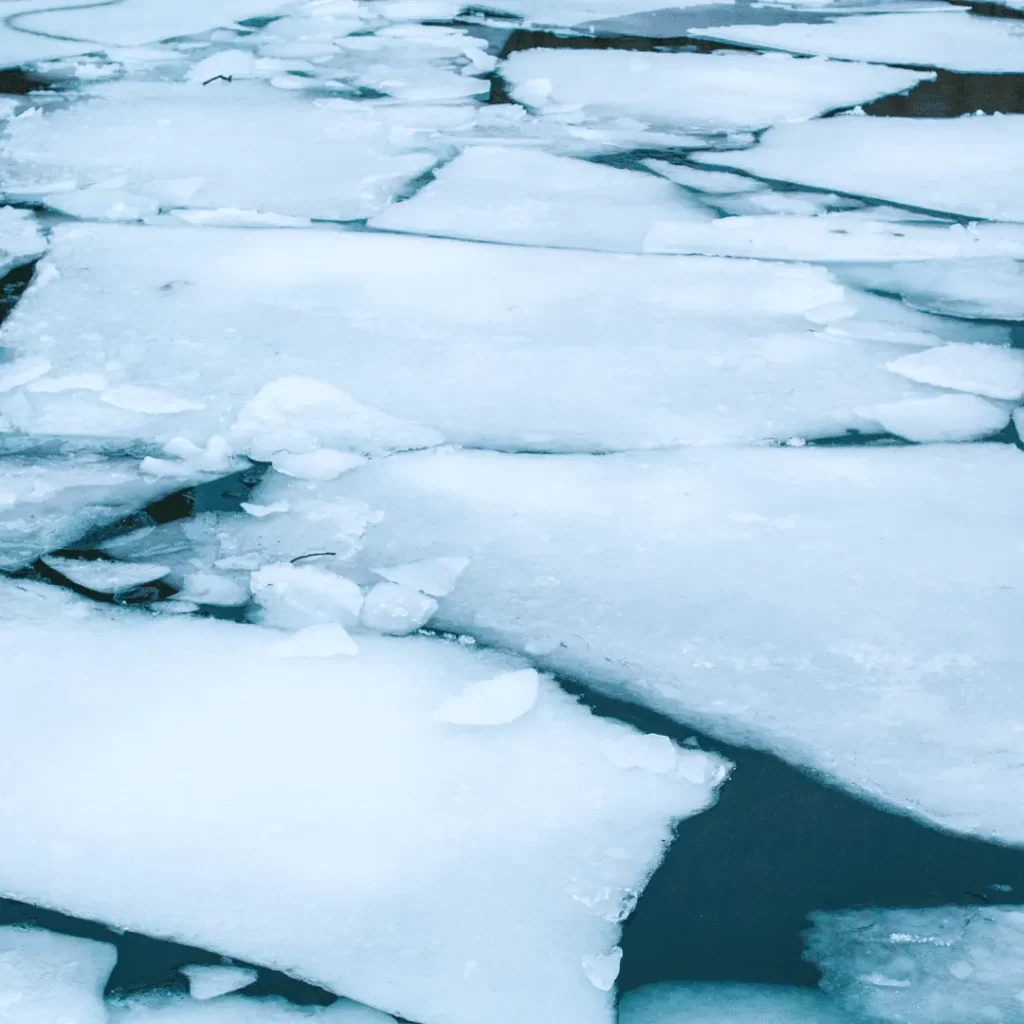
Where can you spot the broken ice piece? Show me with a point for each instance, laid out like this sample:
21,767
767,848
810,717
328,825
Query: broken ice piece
601,971
648,751
323,464
496,701
213,589
207,981
324,640
188,459
104,576
434,576
294,596
712,182
231,216
103,204
21,241
47,978
988,370
939,418
396,610
259,511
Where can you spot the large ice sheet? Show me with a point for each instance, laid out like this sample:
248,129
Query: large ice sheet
728,1003
324,822
494,346
939,965
45,504
851,609
242,145
527,197
953,39
717,91
970,166
46,978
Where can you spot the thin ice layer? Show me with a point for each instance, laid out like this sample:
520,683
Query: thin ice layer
528,197
954,39
717,91
970,166
676,1002
492,346
324,823
854,610
939,965
46,977
46,504
243,145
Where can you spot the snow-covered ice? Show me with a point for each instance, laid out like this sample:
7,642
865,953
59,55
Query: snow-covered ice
349,880
936,965
676,1002
810,601
243,145
953,39
207,981
528,197
21,241
692,91
970,166
485,345
46,977
987,370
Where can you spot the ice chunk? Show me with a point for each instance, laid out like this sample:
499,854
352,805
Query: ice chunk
496,701
188,459
694,91
981,369
715,182
46,977
396,610
105,576
834,237
167,1007
884,157
809,601
434,576
602,970
527,197
678,1002
953,39
213,588
207,981
939,965
485,345
424,869
293,596
941,418
21,241
99,203
322,464
323,640
652,753
327,162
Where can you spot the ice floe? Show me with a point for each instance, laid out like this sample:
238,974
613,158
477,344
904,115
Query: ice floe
940,418
805,600
207,981
21,241
953,39
105,576
486,345
980,369
936,965
312,825
971,166
293,596
528,197
692,91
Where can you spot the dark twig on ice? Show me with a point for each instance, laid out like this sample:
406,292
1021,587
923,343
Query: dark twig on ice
314,554
222,78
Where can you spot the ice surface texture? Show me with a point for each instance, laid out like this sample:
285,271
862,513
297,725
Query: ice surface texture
324,822
806,601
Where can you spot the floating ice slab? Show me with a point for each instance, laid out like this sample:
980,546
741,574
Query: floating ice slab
809,601
981,369
207,981
21,241
174,1008
486,345
528,197
940,418
104,576
931,164
329,159
45,504
728,1003
833,237
940,965
448,875
46,977
692,90
954,39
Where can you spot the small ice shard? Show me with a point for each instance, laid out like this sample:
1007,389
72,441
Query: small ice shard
21,241
939,418
224,63
649,751
988,370
207,981
48,978
259,511
496,701
295,596
434,576
212,588
22,371
689,1002
324,640
188,459
601,971
396,610
105,576
135,398
322,464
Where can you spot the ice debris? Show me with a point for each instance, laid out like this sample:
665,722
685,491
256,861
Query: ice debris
396,610
294,596
207,981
